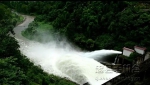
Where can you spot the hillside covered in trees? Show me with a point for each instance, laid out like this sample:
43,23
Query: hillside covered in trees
93,25
15,68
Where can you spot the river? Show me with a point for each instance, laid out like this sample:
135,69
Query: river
64,60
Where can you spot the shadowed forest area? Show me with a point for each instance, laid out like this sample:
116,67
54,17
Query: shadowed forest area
15,68
91,25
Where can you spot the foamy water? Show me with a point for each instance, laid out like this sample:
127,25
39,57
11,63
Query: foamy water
64,60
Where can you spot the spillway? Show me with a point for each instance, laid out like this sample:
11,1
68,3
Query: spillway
64,60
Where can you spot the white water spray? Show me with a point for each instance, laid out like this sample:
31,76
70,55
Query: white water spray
100,54
63,60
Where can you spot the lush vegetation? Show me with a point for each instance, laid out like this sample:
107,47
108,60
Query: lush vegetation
40,31
91,25
94,24
15,68
135,55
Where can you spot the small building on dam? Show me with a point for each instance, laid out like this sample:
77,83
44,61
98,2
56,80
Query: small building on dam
131,63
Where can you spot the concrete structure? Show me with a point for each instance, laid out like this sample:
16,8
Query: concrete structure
144,56
130,68
147,56
140,50
127,51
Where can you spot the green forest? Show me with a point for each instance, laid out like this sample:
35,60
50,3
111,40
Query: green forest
15,68
91,25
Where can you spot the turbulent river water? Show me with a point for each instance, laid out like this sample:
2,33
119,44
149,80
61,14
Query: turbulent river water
62,59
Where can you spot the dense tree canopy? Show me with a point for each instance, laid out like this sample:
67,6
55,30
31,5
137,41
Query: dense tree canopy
94,24
90,25
15,68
